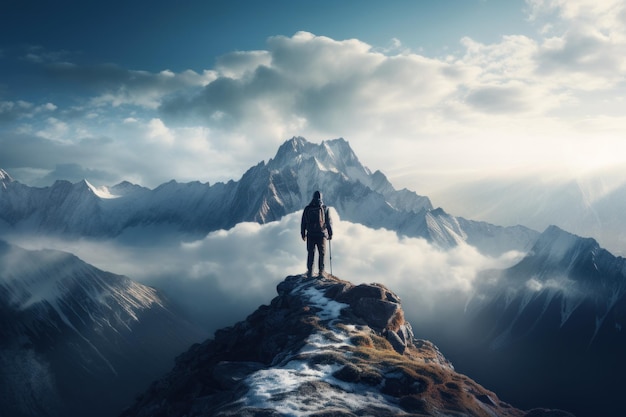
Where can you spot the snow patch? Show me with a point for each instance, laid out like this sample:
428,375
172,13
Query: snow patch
330,309
277,388
102,192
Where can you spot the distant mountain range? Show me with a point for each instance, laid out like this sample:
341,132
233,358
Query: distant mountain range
591,205
78,341
533,331
266,192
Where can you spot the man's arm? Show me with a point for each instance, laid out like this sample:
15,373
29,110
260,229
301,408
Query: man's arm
303,225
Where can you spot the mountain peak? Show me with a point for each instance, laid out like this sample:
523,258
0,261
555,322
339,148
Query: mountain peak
125,188
558,245
289,150
333,155
321,345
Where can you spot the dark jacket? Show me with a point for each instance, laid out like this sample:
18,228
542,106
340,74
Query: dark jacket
328,226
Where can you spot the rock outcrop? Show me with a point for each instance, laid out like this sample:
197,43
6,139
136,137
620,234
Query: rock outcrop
323,347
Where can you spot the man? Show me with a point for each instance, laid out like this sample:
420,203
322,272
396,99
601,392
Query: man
315,228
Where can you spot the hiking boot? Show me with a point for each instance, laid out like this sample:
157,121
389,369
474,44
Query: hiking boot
309,273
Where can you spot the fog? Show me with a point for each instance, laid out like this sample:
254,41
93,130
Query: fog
590,205
225,276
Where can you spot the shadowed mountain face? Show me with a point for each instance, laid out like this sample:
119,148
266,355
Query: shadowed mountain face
323,347
555,320
78,341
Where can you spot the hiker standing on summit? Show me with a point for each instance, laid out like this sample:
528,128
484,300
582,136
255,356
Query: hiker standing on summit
315,227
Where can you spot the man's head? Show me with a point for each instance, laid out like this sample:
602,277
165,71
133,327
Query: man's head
317,195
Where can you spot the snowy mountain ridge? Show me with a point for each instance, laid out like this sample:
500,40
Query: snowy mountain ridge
69,332
266,192
563,306
572,272
333,156
27,283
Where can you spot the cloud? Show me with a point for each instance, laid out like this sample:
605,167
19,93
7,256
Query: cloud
38,55
500,99
158,132
145,152
239,64
75,173
116,86
28,150
609,14
47,153
55,129
14,110
310,81
583,56
585,46
229,273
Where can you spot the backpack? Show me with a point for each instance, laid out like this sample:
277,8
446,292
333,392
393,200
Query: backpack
315,220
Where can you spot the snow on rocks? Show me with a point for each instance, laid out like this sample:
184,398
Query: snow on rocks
321,347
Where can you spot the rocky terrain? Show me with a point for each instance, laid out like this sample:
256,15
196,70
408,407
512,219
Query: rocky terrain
322,347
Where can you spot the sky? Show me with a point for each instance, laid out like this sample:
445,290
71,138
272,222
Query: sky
431,93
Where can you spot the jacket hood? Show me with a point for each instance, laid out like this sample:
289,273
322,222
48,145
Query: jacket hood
317,199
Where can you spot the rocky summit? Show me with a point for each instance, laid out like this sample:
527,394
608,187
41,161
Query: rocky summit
322,347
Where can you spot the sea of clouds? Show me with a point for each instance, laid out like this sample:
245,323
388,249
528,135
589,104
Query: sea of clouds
221,278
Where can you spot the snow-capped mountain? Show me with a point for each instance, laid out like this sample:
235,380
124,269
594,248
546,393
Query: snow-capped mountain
562,311
563,275
322,347
77,341
266,192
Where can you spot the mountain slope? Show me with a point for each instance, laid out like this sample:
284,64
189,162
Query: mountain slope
323,347
266,192
75,340
585,282
562,309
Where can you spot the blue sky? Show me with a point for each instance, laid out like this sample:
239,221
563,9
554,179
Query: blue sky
431,93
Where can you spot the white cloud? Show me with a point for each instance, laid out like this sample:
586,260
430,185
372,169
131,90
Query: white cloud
606,15
493,98
240,64
116,86
586,45
12,110
158,132
55,130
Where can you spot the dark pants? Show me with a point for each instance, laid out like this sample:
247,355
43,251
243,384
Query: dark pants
313,242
